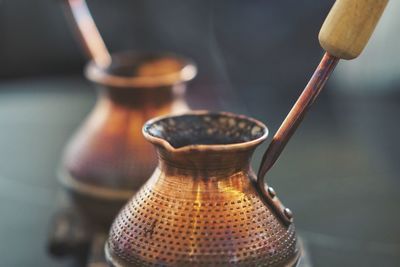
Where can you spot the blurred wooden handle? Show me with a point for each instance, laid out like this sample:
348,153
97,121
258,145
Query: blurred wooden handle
349,25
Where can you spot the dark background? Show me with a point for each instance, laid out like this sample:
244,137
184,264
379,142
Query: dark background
338,174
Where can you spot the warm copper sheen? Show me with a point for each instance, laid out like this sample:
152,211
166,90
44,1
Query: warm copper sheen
108,159
201,206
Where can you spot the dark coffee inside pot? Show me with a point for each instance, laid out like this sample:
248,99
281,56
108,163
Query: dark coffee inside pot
206,129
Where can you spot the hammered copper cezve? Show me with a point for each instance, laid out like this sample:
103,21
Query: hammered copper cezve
201,206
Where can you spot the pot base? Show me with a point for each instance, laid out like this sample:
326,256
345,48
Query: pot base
99,205
114,262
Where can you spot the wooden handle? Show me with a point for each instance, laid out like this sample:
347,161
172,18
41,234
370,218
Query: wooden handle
349,25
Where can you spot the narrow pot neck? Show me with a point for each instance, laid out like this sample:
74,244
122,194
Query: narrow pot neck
205,142
205,163
142,79
139,97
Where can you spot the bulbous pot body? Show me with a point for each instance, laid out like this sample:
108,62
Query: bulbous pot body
201,206
108,159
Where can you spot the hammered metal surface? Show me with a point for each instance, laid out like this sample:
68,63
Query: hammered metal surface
207,213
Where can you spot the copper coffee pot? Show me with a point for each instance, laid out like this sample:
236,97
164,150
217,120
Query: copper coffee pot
108,160
204,205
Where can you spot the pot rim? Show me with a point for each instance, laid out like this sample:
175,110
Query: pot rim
245,145
104,76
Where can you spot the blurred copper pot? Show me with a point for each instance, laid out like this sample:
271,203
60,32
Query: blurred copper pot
108,159
202,206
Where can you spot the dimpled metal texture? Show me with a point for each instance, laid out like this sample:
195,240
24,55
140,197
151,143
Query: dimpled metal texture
201,206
